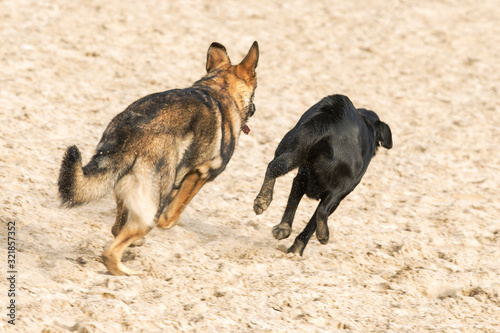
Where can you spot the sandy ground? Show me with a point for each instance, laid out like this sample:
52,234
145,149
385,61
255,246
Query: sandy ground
415,248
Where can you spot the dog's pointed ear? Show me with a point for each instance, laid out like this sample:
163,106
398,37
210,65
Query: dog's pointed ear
384,135
216,56
249,63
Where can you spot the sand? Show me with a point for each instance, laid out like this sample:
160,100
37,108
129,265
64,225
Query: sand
416,246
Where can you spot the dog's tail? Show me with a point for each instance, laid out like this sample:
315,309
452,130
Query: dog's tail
80,185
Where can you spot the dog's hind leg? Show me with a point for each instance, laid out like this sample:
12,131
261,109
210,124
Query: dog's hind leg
278,167
303,238
190,185
288,156
265,196
134,229
121,217
298,190
140,199
318,223
326,208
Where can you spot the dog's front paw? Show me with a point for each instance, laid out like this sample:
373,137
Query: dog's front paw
323,239
166,223
282,231
260,204
322,233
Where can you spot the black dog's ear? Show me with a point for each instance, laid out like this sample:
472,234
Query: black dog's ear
384,135
216,56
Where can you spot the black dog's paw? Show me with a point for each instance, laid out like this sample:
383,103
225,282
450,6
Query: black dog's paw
260,204
282,231
323,239
297,247
322,236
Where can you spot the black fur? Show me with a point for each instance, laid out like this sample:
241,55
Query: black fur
332,145
71,158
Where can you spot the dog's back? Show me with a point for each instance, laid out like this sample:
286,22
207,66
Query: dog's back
343,149
156,131
158,153
332,145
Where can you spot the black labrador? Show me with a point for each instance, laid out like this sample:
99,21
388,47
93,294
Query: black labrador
332,145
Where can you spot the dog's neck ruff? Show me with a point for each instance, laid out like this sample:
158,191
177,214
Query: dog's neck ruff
212,91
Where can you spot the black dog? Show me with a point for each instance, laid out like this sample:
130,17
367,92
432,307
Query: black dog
332,145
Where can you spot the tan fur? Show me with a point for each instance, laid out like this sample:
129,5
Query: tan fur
160,151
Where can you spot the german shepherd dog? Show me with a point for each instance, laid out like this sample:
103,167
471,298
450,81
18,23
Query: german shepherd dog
159,152
332,145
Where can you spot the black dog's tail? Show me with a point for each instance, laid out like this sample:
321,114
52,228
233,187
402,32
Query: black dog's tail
80,185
